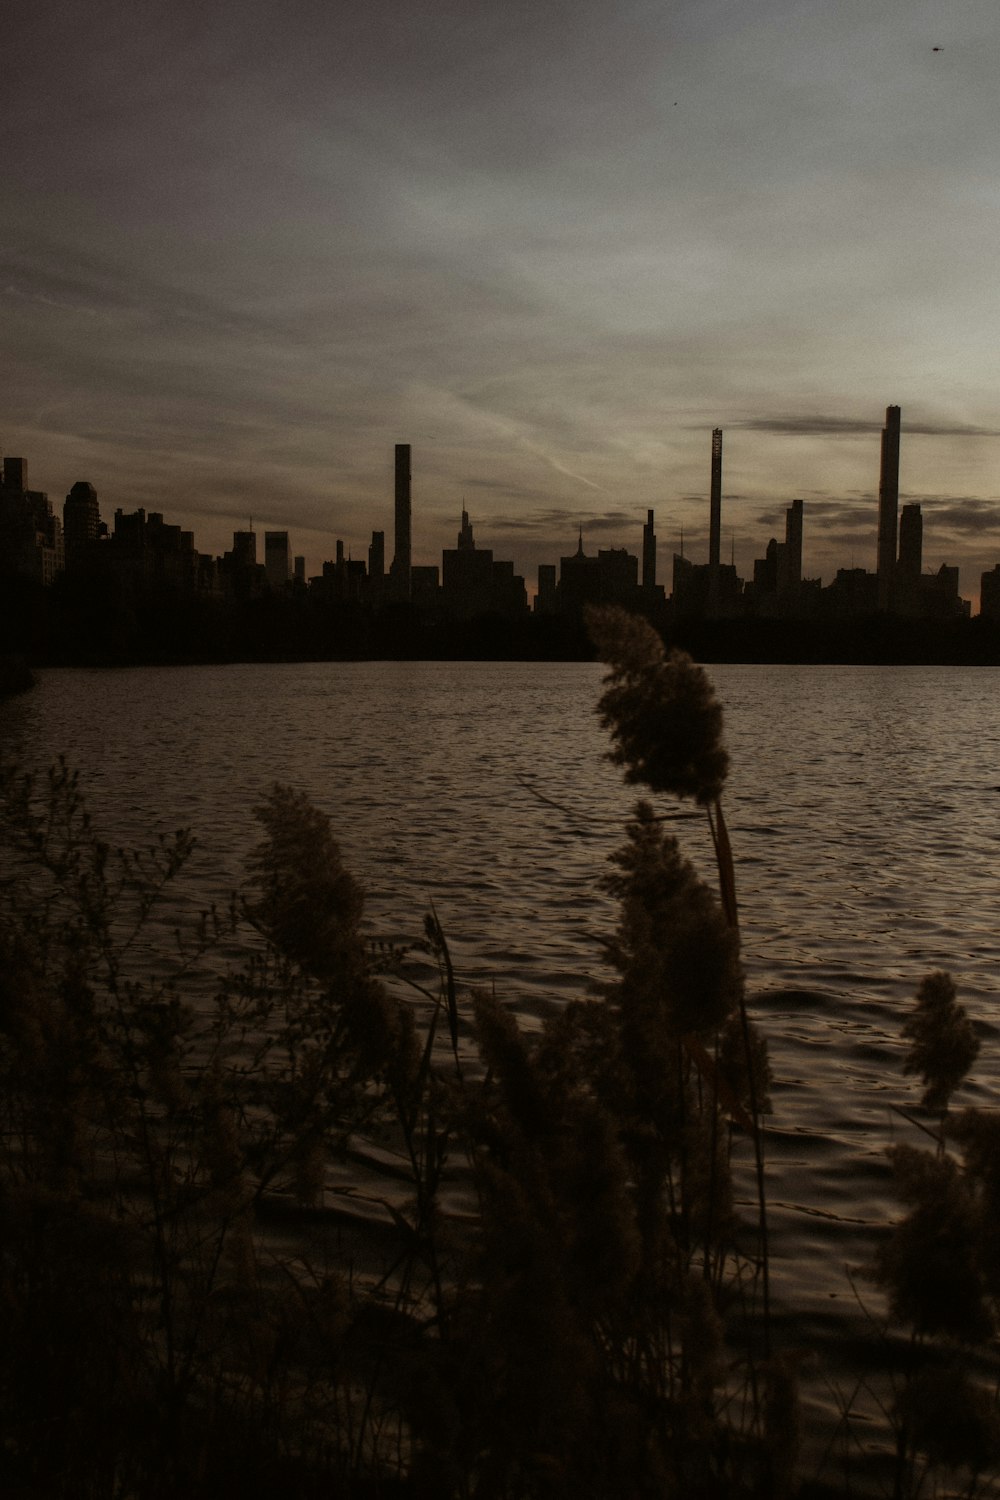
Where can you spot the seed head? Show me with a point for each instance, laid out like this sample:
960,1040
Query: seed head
663,717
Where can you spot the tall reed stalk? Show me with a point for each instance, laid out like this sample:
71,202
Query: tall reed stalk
940,1266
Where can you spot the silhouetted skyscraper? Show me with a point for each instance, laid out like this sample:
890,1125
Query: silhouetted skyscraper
989,594
547,600
402,561
466,575
791,569
715,514
376,564
244,547
648,554
911,541
81,520
31,536
277,555
888,509
715,520
15,475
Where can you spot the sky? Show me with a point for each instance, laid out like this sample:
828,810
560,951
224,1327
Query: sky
247,246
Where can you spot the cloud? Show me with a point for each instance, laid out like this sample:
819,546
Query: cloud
46,301
965,514
560,518
819,426
57,272
509,491
248,246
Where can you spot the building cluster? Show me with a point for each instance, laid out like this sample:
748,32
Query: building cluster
140,548
143,551
899,586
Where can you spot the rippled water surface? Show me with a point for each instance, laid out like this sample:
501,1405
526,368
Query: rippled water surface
864,809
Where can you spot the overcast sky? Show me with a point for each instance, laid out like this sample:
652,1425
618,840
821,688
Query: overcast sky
246,246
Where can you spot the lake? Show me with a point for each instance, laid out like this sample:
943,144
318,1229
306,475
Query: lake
864,811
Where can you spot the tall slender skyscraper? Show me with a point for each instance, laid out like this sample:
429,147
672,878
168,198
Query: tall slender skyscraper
715,521
715,515
793,546
399,573
649,554
888,509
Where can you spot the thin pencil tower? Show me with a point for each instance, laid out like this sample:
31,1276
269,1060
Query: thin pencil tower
399,573
888,510
715,521
649,554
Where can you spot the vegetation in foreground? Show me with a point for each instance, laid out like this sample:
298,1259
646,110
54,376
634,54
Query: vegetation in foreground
317,1226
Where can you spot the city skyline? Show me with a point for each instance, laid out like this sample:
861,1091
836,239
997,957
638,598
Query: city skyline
899,541
245,249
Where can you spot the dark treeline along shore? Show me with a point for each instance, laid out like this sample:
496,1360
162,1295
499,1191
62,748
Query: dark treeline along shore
79,621
15,676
